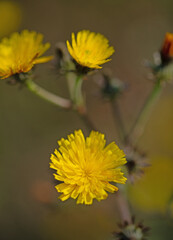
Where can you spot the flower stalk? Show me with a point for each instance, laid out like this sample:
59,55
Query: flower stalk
50,97
77,95
123,207
140,123
118,120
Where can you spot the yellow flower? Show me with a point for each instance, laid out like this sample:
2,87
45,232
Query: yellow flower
21,52
90,49
11,15
85,167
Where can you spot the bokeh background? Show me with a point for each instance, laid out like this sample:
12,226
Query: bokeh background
30,126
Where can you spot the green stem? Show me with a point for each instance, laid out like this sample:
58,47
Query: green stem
138,127
77,94
50,97
123,207
75,87
118,120
79,103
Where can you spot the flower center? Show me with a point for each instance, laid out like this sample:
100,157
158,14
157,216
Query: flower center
86,175
87,51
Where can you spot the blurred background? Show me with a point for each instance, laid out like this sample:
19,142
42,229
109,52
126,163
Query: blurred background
30,126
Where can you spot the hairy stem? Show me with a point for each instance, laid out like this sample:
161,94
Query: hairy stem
139,125
50,97
77,95
123,207
118,120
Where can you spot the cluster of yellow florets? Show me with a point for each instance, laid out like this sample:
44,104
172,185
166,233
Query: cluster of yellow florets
22,51
90,49
87,168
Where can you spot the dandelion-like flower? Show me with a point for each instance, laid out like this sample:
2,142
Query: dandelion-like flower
20,52
86,167
90,49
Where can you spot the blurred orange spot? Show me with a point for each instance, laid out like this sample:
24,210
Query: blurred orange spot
43,191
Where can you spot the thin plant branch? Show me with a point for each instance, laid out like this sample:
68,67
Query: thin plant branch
50,97
138,127
118,119
123,208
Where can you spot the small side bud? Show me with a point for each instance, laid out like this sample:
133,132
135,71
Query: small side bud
62,57
136,163
131,231
111,87
166,51
162,66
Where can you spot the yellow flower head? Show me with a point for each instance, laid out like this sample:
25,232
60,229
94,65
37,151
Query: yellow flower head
20,52
90,49
11,14
85,167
